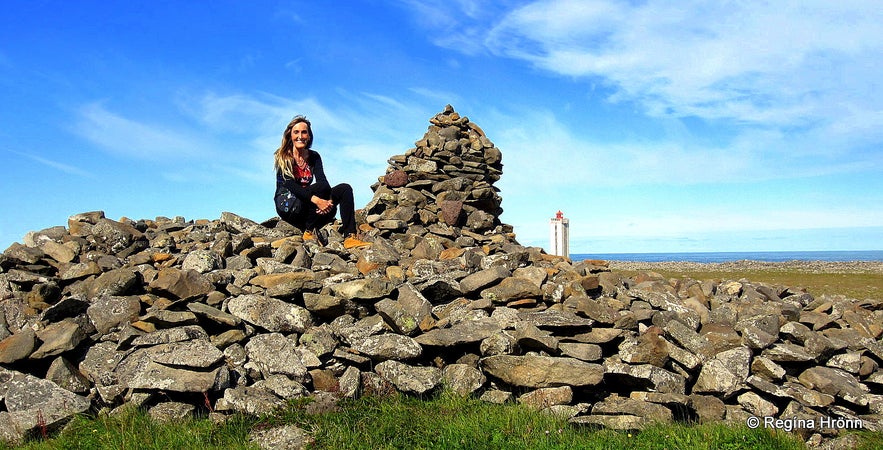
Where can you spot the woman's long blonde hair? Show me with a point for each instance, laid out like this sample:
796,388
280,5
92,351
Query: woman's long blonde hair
284,155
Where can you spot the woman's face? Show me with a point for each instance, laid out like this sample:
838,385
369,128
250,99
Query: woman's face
300,136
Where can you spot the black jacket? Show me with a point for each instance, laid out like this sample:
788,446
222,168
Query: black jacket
319,184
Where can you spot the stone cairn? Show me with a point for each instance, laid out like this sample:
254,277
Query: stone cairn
448,178
229,315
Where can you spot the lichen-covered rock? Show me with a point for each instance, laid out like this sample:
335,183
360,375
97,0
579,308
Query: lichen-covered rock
270,314
543,371
407,378
31,402
275,354
388,346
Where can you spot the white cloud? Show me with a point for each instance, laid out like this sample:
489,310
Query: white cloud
133,139
66,168
749,61
791,88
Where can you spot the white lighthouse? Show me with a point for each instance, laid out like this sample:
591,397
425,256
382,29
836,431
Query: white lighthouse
559,235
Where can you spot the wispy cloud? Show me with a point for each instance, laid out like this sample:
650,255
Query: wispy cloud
66,168
135,139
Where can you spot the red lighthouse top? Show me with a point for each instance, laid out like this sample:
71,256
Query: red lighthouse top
559,215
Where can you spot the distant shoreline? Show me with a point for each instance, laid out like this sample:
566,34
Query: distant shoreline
725,257
746,265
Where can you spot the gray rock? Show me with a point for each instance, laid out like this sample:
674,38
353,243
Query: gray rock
171,412
213,314
463,378
689,339
325,305
757,405
584,352
461,333
198,353
363,289
100,362
411,379
139,371
360,330
113,236
167,336
18,346
388,346
65,375
164,318
554,319
249,400
181,284
202,261
503,343
32,402
708,408
108,312
787,352
835,382
613,422
61,252
60,337
767,368
282,387
527,336
273,354
320,340
287,437
80,271
724,374
510,289
114,283
543,398
615,405
497,397
789,390
643,377
270,314
648,348
483,279
350,382
542,371
396,316
249,227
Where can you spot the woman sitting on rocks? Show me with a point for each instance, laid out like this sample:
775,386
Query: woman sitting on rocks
304,198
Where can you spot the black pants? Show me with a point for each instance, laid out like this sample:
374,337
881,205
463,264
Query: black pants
310,219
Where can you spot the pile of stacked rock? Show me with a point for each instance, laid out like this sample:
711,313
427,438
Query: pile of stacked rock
230,315
447,178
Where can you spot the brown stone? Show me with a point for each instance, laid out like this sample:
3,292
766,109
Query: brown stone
396,178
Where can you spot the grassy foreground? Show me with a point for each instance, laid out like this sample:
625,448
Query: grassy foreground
399,422
447,421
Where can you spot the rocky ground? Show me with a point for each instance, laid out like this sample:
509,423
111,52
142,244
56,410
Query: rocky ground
234,316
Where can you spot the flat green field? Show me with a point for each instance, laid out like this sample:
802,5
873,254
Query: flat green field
859,283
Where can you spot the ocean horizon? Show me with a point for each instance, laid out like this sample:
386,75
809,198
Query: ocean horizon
719,257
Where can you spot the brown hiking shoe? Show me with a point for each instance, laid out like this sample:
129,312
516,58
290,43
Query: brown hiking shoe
352,242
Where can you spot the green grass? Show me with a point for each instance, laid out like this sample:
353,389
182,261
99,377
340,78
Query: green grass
445,421
134,429
853,285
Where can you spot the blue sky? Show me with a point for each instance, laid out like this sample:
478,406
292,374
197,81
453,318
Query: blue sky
653,125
